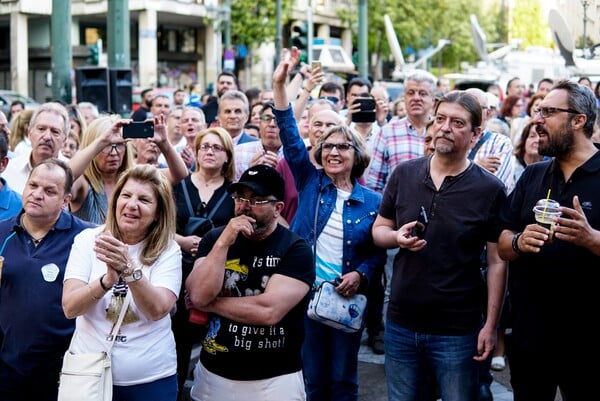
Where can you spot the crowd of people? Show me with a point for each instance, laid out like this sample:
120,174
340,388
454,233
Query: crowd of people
218,229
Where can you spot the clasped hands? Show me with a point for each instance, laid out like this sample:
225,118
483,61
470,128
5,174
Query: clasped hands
111,251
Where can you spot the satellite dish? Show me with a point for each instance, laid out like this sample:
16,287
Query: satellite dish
393,41
562,36
479,38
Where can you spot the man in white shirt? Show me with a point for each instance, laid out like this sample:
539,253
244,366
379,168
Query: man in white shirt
48,132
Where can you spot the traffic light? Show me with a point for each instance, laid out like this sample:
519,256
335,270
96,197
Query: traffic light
300,40
94,54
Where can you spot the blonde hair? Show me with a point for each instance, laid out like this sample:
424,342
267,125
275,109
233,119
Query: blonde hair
228,170
19,126
92,173
162,229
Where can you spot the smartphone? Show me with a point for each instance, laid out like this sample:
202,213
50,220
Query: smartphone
139,129
314,65
367,110
422,220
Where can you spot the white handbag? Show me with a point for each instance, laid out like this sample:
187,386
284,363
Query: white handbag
88,376
332,309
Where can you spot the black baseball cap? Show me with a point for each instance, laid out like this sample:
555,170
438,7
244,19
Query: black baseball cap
263,180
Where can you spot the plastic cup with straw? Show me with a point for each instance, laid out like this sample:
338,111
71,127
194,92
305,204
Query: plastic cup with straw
546,210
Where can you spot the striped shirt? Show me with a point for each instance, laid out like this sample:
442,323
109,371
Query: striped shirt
244,152
396,142
499,145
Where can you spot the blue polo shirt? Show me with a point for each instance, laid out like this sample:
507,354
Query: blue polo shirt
10,201
32,321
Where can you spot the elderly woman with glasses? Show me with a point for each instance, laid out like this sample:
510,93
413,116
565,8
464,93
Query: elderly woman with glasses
335,215
105,155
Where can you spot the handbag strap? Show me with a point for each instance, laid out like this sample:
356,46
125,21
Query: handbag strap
215,207
187,198
120,319
117,326
188,202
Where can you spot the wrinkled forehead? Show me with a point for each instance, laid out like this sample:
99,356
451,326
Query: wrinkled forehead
326,117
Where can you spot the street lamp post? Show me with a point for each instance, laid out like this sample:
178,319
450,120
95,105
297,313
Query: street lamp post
585,5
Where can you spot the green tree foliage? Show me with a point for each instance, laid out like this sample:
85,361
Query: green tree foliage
529,25
419,24
253,21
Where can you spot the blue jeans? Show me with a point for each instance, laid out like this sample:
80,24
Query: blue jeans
330,362
410,357
158,390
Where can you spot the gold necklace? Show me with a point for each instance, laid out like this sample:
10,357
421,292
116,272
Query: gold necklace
208,183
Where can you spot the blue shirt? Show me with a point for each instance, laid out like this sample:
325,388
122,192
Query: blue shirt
10,201
358,215
32,320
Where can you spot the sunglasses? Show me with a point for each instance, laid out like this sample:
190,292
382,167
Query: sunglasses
266,118
332,99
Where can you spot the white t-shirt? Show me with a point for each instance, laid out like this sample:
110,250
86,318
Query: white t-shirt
144,350
330,243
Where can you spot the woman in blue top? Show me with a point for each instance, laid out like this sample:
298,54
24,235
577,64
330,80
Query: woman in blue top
335,215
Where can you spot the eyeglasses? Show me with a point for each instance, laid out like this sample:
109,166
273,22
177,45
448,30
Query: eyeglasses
332,99
546,112
215,148
118,147
341,147
266,118
252,202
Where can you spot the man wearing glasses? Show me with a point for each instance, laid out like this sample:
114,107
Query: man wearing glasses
553,284
252,276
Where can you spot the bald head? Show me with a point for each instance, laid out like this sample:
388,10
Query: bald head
483,102
320,122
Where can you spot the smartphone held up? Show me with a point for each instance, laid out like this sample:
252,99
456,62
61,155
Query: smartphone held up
366,114
139,129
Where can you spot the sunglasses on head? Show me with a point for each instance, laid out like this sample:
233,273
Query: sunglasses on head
332,99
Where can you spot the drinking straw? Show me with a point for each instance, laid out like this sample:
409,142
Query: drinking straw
546,204
5,241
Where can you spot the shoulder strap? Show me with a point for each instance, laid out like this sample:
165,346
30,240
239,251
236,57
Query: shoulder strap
475,149
120,319
187,198
215,207
117,324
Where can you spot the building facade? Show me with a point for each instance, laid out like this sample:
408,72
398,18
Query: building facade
173,43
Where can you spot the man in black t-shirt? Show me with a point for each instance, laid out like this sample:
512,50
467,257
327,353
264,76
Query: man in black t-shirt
253,277
435,316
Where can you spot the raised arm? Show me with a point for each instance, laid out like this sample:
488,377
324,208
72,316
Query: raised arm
83,157
314,78
289,59
177,170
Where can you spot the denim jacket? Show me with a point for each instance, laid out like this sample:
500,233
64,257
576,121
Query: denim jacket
360,210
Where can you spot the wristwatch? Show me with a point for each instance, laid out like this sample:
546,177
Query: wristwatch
131,274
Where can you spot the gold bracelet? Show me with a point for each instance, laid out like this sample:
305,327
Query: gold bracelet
92,293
